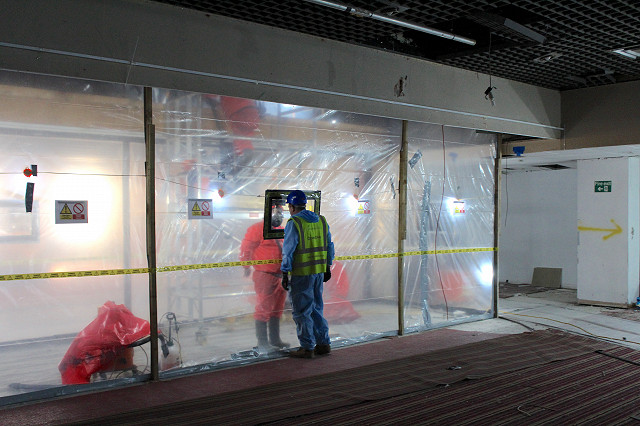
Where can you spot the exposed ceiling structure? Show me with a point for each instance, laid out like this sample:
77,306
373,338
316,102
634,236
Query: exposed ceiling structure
564,159
559,45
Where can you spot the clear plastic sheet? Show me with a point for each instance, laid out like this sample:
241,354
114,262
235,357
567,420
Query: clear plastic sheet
87,141
203,152
215,157
450,207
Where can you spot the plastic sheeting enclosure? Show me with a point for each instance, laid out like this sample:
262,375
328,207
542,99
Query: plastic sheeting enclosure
215,157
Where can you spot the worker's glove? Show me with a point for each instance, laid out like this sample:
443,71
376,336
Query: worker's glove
327,276
285,281
247,271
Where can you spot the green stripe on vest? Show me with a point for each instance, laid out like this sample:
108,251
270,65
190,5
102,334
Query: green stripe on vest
310,256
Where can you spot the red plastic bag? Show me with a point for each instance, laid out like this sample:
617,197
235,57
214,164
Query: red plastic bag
98,346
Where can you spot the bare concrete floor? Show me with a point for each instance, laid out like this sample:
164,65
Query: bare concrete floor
558,308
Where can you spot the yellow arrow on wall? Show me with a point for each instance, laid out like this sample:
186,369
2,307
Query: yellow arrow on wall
616,230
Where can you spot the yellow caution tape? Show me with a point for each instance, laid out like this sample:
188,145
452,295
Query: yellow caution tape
415,253
217,265
14,277
73,274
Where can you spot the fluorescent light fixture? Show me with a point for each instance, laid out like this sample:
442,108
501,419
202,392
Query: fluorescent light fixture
546,58
628,52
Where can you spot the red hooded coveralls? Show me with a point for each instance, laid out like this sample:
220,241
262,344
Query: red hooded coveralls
266,278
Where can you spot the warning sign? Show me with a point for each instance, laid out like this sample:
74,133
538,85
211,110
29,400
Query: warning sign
364,207
72,211
458,206
200,208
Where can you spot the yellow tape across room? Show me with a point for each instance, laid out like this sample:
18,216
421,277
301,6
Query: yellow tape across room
102,272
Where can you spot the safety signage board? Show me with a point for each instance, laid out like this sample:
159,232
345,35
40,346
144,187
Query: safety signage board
72,211
458,207
200,208
364,207
602,186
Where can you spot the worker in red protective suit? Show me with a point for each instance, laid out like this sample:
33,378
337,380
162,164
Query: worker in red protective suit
266,279
240,118
243,116
337,308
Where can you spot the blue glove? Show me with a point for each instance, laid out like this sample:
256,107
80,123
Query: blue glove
285,281
327,276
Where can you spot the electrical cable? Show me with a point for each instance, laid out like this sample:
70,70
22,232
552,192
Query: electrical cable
184,184
490,34
74,173
87,174
146,367
444,179
517,322
572,325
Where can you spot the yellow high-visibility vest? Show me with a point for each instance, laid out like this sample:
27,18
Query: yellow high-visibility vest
310,257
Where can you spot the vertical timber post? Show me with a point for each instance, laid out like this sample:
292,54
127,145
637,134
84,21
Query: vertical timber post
402,226
150,169
496,224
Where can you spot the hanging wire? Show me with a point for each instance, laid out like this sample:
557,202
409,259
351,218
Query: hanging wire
490,34
488,92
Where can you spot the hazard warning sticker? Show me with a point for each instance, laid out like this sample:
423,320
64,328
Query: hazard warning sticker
364,207
200,208
75,211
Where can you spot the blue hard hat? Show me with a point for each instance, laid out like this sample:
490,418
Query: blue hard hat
297,198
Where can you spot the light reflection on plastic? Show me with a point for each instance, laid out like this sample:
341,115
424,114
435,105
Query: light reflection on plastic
485,274
455,207
218,199
351,203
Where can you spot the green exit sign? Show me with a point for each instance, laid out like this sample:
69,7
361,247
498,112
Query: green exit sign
602,186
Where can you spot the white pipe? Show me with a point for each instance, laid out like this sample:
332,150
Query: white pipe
367,14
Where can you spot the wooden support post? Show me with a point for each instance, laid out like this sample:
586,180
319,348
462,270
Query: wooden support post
150,139
496,224
402,226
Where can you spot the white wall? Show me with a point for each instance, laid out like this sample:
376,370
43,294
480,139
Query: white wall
538,225
608,270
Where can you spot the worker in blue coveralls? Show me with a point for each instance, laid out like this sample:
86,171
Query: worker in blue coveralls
307,253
